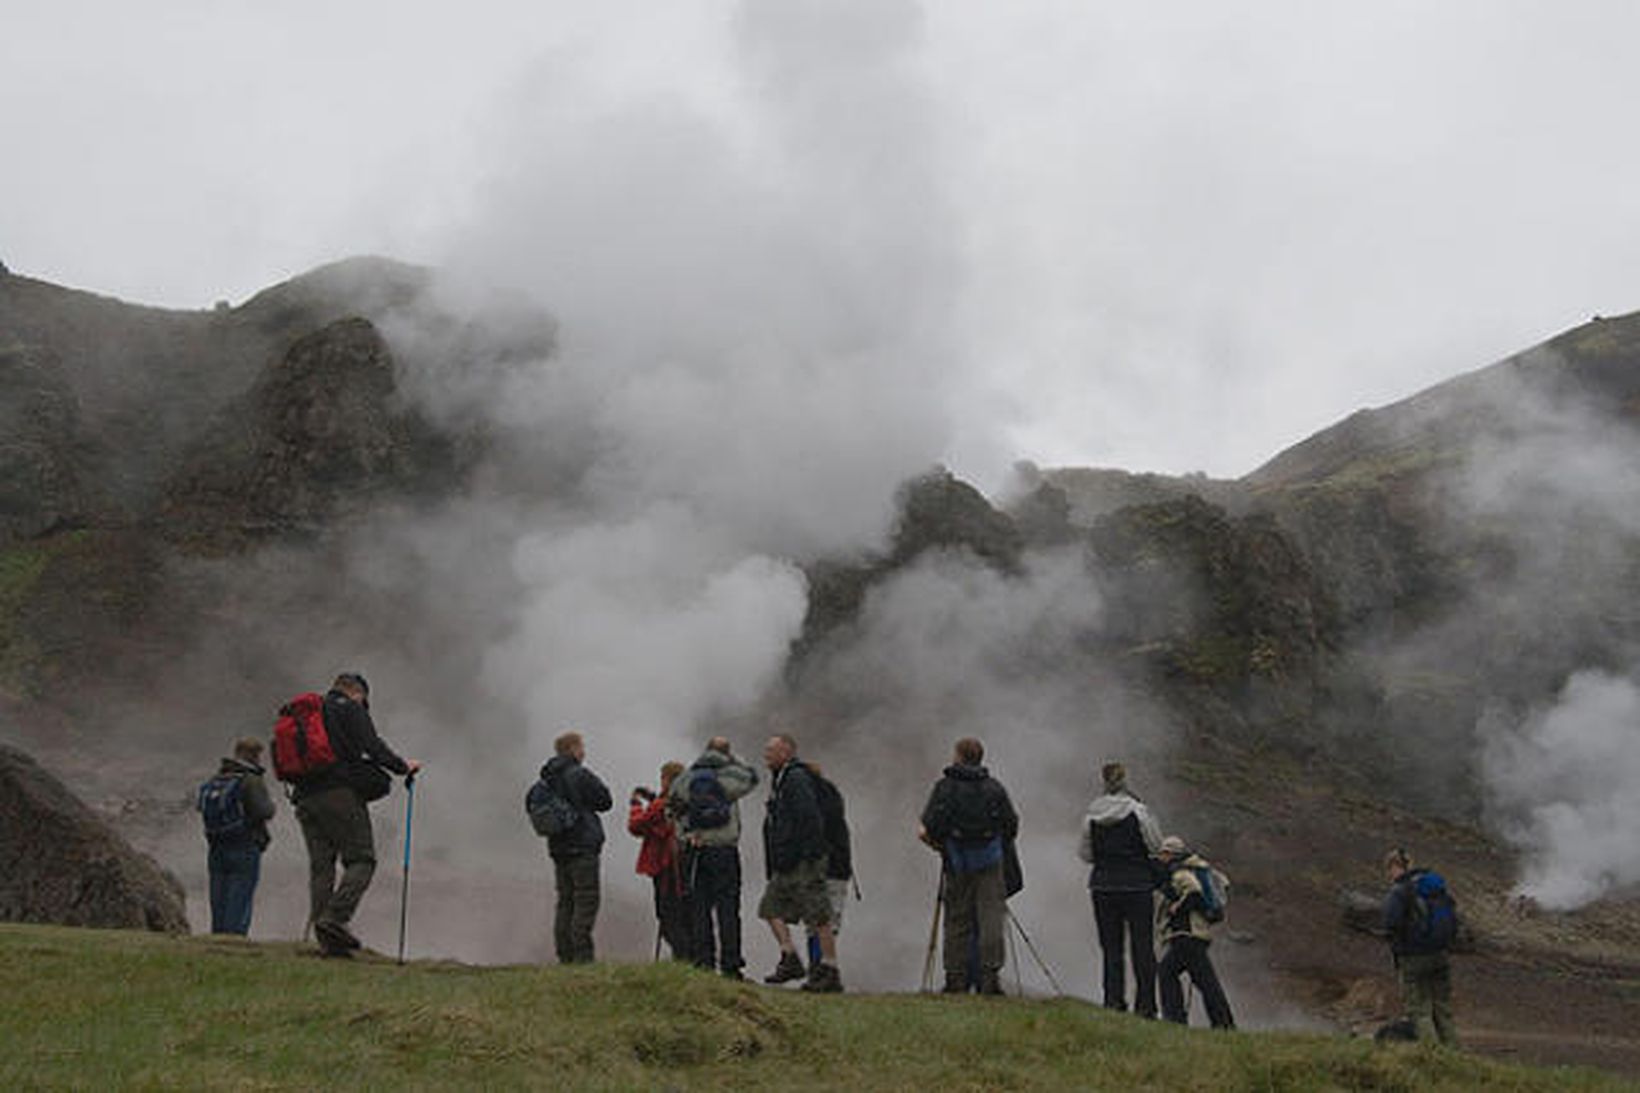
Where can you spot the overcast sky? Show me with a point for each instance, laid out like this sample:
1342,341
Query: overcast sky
1183,235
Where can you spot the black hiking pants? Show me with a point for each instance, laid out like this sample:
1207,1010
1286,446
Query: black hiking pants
1131,914
578,896
713,876
1189,955
673,914
336,826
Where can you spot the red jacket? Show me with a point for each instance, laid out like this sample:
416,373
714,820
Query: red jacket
658,856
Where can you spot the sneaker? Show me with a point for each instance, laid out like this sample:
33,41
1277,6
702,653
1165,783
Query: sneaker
789,968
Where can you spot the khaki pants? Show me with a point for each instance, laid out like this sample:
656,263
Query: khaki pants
336,826
1426,992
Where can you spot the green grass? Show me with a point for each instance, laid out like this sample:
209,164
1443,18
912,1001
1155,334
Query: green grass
109,1009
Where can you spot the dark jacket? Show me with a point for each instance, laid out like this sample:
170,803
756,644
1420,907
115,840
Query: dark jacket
1399,919
839,857
353,738
794,829
587,792
254,798
968,806
1119,837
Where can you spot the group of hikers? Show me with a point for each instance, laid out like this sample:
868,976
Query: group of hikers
328,752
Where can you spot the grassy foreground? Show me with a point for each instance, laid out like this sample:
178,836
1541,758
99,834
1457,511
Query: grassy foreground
101,1009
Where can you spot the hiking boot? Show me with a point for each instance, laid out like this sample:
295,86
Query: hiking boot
789,968
824,979
335,939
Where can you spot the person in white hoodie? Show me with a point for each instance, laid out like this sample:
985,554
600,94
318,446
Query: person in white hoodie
1120,838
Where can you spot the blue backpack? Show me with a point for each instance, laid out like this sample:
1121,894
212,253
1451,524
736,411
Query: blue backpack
1432,919
220,807
708,804
1215,889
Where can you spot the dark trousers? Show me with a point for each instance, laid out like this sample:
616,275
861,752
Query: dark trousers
1426,988
578,895
674,915
235,869
974,907
713,874
1189,954
1129,913
336,827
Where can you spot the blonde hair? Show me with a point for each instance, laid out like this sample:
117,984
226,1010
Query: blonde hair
567,743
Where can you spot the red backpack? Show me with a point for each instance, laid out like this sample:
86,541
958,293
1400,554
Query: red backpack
301,746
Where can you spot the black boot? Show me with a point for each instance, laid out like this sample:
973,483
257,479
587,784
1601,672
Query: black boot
824,979
789,968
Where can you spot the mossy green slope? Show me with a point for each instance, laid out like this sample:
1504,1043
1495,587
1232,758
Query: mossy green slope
107,1009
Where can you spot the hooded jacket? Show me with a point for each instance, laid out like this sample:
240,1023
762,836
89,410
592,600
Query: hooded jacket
588,794
968,809
254,798
737,779
658,854
1120,837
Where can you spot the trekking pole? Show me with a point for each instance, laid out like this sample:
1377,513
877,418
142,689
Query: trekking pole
1026,938
404,889
1013,958
933,934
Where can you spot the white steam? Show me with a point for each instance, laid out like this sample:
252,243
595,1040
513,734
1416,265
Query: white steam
1568,779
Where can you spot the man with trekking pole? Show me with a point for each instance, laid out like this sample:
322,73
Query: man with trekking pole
337,764
970,820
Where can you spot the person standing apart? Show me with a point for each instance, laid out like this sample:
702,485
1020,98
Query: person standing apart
576,850
1120,839
236,807
1421,918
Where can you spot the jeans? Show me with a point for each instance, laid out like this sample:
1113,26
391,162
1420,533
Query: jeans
235,869
1131,913
713,874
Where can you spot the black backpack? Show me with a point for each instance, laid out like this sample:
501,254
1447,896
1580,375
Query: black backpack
221,808
549,810
971,815
708,804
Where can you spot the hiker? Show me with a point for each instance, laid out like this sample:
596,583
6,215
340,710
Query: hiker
575,850
794,851
658,859
1421,919
1192,898
332,807
705,802
970,820
1119,839
236,807
839,857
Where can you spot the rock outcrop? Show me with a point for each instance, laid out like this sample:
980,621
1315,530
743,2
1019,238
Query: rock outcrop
61,864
